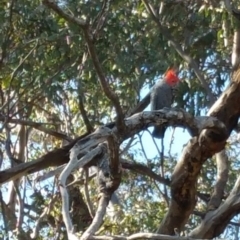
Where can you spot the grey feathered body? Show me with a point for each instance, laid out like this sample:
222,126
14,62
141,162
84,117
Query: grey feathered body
161,96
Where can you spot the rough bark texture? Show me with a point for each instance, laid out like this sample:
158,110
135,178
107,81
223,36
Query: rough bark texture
198,150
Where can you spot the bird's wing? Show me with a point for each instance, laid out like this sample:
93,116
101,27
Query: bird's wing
161,97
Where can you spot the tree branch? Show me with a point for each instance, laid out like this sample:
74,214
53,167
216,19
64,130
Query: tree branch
92,51
98,219
134,124
197,151
219,217
51,4
36,125
138,236
62,182
145,171
222,177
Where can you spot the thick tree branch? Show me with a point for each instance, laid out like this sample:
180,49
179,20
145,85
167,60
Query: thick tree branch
138,236
113,150
81,98
63,178
198,150
134,124
185,174
222,177
84,114
105,86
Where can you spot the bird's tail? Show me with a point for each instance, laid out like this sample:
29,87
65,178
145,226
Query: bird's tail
159,131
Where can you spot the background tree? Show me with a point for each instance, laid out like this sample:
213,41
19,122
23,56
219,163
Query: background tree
74,81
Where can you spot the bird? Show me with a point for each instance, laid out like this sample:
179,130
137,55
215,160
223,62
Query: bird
161,96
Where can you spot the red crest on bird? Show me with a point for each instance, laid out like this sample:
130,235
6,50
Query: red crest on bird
171,77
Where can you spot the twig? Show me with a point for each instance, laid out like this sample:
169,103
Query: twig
15,72
86,194
45,212
154,141
144,170
101,18
126,148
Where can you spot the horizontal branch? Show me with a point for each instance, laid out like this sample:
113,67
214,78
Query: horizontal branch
37,125
144,170
134,124
173,117
138,236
